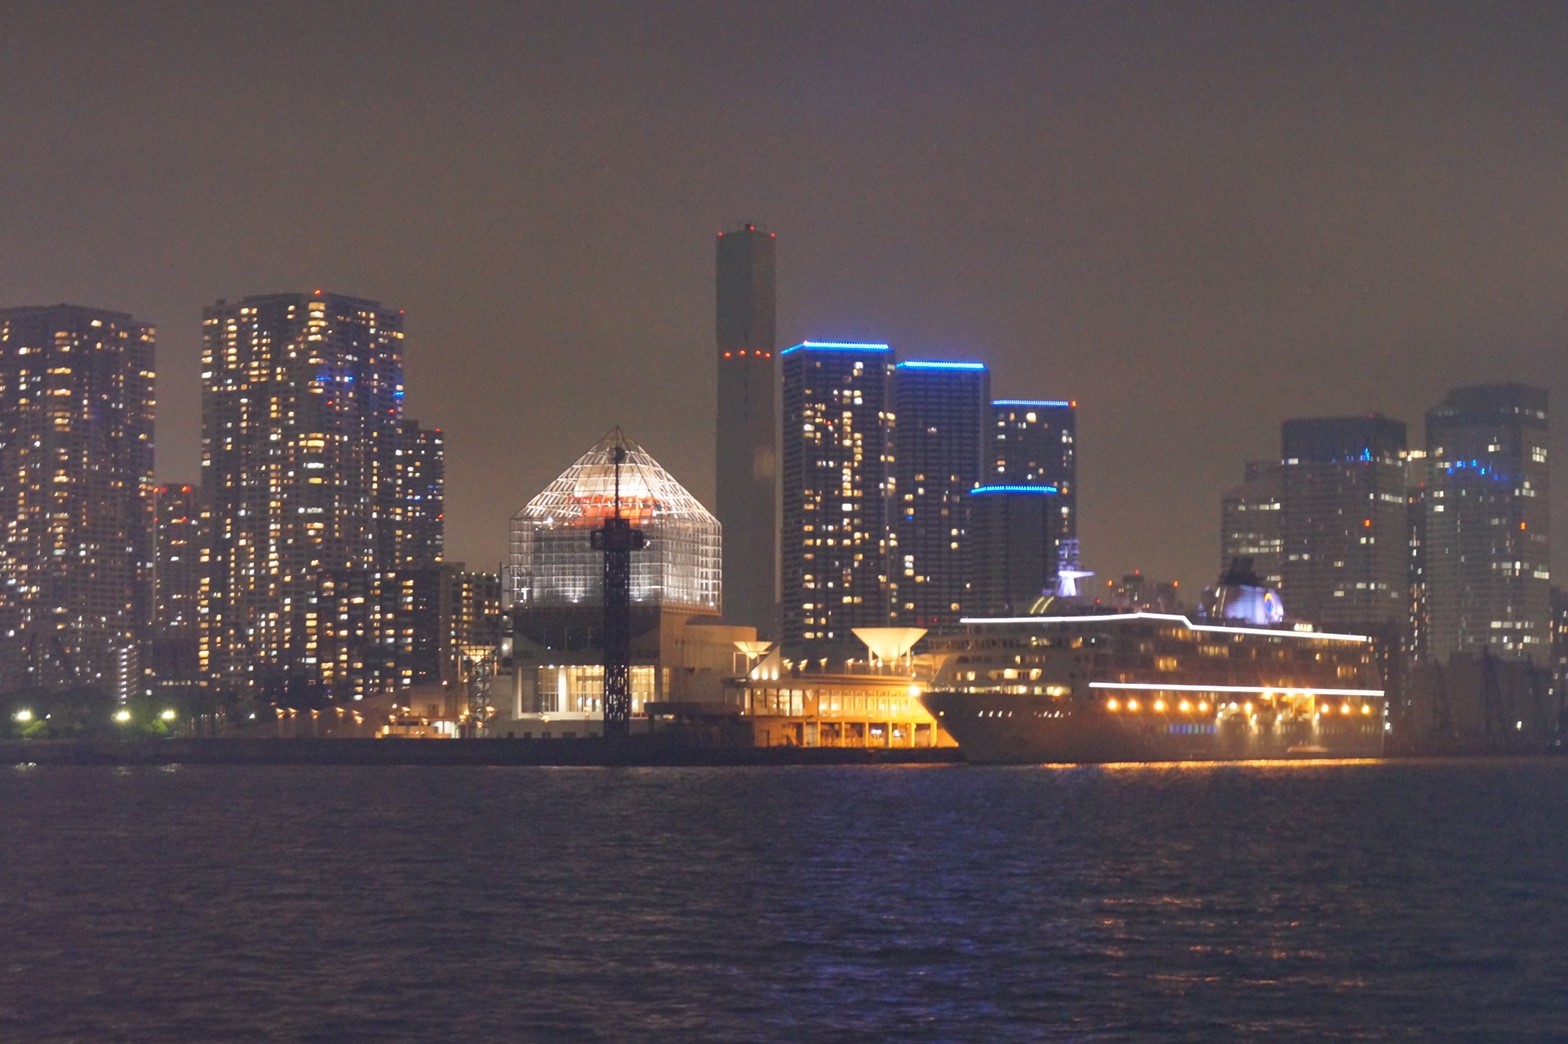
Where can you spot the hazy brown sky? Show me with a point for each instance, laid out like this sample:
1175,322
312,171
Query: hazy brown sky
1196,220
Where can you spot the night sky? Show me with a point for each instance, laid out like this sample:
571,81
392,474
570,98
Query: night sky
1195,220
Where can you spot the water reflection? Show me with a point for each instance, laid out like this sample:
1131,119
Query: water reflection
1194,900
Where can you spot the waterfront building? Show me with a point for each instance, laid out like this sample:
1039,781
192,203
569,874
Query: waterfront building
838,424
555,581
471,619
1250,523
76,475
941,410
173,654
424,627
1343,523
377,635
1017,546
553,563
1488,523
722,688
306,473
414,634
746,435
869,699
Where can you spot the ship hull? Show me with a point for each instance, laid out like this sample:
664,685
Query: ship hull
1001,728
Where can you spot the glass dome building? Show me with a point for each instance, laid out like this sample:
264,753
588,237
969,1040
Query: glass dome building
552,563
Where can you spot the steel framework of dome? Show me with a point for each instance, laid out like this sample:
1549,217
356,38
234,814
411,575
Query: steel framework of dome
553,563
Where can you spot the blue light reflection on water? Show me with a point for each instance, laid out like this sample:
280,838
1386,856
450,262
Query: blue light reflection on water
937,903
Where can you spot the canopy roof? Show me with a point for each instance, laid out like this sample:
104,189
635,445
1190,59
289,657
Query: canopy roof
585,493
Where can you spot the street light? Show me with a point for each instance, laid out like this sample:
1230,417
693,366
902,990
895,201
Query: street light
24,716
122,716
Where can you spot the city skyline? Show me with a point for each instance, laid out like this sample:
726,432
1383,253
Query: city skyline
1194,222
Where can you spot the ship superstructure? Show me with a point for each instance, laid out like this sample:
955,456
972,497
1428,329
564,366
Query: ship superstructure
1146,686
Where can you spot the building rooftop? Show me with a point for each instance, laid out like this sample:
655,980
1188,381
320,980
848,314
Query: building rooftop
553,563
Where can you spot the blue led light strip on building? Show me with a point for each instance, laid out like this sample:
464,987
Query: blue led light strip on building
980,490
837,346
939,365
1031,402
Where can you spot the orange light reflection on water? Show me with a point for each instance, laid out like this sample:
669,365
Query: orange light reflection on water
1285,764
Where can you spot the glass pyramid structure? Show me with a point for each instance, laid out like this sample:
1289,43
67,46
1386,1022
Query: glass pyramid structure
553,564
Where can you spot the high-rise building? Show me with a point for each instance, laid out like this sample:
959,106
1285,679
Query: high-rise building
76,476
388,631
1488,523
308,469
418,498
173,662
470,618
1034,442
378,632
941,409
745,451
1250,523
1025,515
1417,485
838,424
1343,520
1017,551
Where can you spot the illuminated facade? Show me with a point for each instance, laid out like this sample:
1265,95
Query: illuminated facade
308,469
387,631
76,474
838,424
745,450
1488,523
554,588
1250,523
415,499
379,633
1343,522
553,563
470,617
941,410
853,706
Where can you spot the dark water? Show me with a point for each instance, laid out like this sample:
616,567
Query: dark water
948,903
